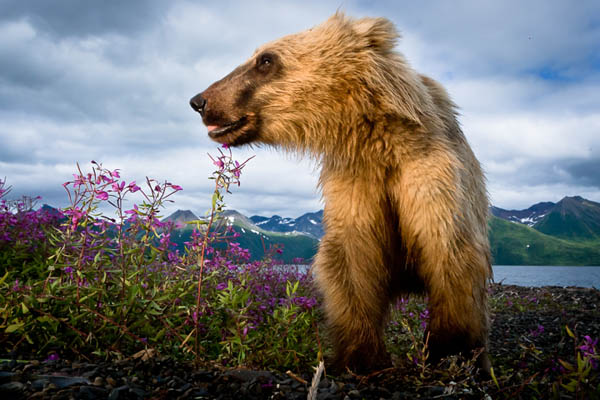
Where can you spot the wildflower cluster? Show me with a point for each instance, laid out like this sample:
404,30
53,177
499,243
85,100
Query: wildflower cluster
23,233
111,285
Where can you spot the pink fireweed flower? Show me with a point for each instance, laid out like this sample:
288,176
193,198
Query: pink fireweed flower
589,350
102,195
219,163
115,174
157,188
133,187
118,187
176,187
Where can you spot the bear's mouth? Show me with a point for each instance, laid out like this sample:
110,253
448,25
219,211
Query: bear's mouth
215,131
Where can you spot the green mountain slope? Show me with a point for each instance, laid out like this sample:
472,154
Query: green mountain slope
573,218
516,244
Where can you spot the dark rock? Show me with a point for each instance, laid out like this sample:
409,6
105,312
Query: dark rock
119,393
92,392
137,392
185,387
12,388
39,384
6,376
62,382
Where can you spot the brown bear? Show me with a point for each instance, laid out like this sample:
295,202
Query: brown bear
405,199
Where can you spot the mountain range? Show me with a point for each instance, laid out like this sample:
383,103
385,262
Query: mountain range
563,233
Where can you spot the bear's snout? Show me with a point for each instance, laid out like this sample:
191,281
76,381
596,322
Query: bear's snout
198,103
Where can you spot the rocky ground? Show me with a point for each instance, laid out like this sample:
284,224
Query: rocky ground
527,341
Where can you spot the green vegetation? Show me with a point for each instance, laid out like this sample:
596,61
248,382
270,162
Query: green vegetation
516,244
573,218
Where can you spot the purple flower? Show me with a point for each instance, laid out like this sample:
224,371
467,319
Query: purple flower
538,331
221,286
118,187
133,187
588,348
102,195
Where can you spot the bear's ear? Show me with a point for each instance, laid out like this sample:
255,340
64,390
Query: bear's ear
378,33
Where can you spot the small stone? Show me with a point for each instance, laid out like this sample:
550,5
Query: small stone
92,372
355,394
111,381
138,392
333,389
92,392
12,387
6,376
118,393
185,387
98,381
39,384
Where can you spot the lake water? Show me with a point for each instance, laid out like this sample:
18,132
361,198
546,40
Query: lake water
528,275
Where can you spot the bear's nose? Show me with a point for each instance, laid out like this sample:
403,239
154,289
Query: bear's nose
198,103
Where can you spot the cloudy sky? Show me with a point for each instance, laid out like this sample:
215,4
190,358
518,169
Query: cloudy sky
110,81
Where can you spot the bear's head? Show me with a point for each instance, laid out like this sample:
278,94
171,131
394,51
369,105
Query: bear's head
305,90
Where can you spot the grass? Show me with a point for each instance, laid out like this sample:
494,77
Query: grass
92,286
515,244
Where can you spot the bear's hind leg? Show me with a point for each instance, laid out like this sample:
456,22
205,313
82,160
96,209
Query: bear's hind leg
458,316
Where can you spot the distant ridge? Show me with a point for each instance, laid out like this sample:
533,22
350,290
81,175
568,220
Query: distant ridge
563,233
310,224
527,217
572,218
181,216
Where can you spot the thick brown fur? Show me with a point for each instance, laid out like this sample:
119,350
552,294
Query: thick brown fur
405,199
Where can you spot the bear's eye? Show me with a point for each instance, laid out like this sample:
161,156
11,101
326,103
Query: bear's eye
265,61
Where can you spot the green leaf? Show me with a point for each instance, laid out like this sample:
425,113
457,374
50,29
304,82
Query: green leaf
24,308
569,332
14,327
494,378
3,278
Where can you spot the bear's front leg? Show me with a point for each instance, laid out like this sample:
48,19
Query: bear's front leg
353,276
356,304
